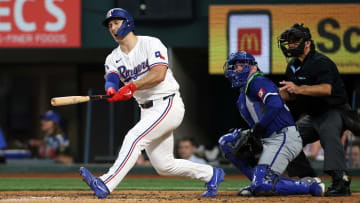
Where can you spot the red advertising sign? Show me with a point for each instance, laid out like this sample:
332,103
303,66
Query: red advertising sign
249,40
40,23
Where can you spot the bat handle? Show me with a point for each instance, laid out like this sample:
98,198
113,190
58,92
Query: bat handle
100,97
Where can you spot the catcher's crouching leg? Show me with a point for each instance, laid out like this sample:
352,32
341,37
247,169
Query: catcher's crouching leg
226,143
268,182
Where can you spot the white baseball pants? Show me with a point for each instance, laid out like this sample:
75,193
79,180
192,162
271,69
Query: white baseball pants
154,133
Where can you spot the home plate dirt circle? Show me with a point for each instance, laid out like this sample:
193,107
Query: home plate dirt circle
155,196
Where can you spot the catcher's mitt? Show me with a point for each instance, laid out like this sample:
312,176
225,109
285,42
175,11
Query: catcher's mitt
247,145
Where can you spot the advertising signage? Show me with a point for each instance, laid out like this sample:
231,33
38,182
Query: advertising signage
40,23
335,29
250,32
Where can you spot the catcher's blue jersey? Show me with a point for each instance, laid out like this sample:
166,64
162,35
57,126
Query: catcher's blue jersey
261,103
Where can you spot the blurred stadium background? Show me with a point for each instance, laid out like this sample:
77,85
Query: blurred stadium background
57,48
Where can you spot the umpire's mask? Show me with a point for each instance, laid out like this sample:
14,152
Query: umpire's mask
297,34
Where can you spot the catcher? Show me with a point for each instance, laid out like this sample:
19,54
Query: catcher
273,134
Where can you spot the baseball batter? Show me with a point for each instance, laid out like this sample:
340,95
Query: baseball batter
271,126
141,64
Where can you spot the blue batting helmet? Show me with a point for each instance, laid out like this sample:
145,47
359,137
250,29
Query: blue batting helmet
119,13
238,79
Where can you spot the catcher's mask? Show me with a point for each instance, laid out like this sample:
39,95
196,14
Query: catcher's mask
238,79
296,34
128,24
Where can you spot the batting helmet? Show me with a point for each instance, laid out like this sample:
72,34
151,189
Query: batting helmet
119,13
238,79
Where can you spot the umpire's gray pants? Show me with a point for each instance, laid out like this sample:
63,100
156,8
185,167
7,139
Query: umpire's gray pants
327,127
280,148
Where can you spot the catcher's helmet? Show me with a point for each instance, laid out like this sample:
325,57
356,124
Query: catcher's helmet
119,13
238,79
297,33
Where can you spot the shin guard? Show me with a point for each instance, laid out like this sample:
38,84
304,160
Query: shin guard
268,182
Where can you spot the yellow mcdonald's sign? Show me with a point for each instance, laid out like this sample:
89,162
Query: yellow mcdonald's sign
248,39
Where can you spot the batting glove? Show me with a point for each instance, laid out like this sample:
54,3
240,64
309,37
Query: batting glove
110,91
124,93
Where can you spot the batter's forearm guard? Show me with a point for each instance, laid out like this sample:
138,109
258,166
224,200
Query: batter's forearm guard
112,80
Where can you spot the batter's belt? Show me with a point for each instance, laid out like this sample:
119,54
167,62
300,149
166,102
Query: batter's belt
150,103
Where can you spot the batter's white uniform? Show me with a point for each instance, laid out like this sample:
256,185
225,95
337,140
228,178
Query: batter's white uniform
154,131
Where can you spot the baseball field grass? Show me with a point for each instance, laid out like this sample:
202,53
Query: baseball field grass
18,184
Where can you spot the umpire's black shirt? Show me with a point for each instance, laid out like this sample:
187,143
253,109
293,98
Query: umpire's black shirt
316,69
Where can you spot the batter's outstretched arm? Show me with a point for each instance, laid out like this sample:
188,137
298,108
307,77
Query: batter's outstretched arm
155,76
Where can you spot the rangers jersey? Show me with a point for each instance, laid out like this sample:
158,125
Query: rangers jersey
148,53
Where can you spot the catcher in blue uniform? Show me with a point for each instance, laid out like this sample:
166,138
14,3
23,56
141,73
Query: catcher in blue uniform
272,134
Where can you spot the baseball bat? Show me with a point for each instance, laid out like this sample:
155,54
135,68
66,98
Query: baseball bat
61,101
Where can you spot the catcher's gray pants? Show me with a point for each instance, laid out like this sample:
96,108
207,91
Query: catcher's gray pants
327,127
280,148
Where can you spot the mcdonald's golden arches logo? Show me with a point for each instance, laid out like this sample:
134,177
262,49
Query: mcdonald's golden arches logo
249,40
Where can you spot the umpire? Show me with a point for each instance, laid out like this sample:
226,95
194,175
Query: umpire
317,90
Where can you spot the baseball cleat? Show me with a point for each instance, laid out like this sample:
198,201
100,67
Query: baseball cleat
95,183
213,184
339,187
317,188
245,191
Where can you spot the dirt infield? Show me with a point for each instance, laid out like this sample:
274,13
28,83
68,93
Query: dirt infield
155,196
128,196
